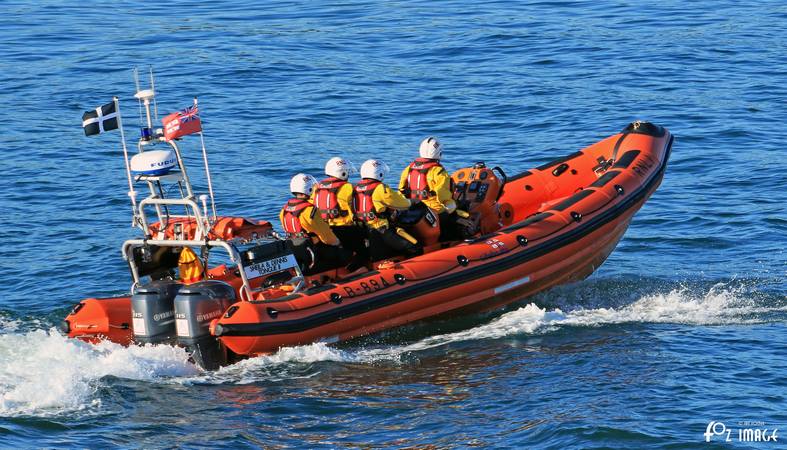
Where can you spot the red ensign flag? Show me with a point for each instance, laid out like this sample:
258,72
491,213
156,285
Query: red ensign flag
181,123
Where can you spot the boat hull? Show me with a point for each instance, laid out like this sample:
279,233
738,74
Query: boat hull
568,238
558,223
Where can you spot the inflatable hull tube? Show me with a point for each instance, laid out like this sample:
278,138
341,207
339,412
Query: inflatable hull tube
557,224
569,215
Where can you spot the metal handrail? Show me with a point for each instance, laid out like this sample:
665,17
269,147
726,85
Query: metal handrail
189,202
231,251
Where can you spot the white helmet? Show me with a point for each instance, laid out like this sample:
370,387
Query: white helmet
339,168
431,148
375,169
302,184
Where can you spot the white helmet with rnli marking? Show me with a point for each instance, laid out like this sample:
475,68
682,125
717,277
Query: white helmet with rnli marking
375,169
302,184
431,148
339,168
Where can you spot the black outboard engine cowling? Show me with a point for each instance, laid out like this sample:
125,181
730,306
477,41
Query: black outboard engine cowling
152,311
196,305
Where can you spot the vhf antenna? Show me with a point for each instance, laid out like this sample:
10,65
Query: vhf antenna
153,88
144,97
136,84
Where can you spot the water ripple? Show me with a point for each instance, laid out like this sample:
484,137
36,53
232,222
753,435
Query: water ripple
626,359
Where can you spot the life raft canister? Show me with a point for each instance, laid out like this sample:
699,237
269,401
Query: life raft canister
326,198
292,216
190,266
417,186
363,206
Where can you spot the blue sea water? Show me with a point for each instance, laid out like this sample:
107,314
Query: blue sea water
684,324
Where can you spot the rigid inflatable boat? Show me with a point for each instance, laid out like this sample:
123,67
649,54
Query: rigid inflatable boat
547,226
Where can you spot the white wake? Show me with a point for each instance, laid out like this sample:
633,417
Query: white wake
720,305
44,373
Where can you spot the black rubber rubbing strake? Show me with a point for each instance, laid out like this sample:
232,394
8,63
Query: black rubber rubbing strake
557,161
569,202
536,218
279,299
360,275
319,288
626,159
606,178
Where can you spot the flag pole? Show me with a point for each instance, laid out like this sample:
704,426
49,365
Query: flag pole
207,168
131,192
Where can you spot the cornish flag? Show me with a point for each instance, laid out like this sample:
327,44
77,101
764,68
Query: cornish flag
104,118
181,123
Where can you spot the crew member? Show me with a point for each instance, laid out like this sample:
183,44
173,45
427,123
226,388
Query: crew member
333,198
426,180
316,247
372,203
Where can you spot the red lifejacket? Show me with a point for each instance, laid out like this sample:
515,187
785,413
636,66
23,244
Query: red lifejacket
326,198
363,206
291,217
417,186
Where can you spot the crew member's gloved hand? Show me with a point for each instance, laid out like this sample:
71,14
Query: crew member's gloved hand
467,223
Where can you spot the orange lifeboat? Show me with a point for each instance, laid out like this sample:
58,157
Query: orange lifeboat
547,226
566,217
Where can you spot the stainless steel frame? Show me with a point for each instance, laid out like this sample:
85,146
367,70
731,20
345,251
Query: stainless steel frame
188,200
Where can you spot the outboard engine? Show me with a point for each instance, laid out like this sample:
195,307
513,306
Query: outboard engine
195,306
152,311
